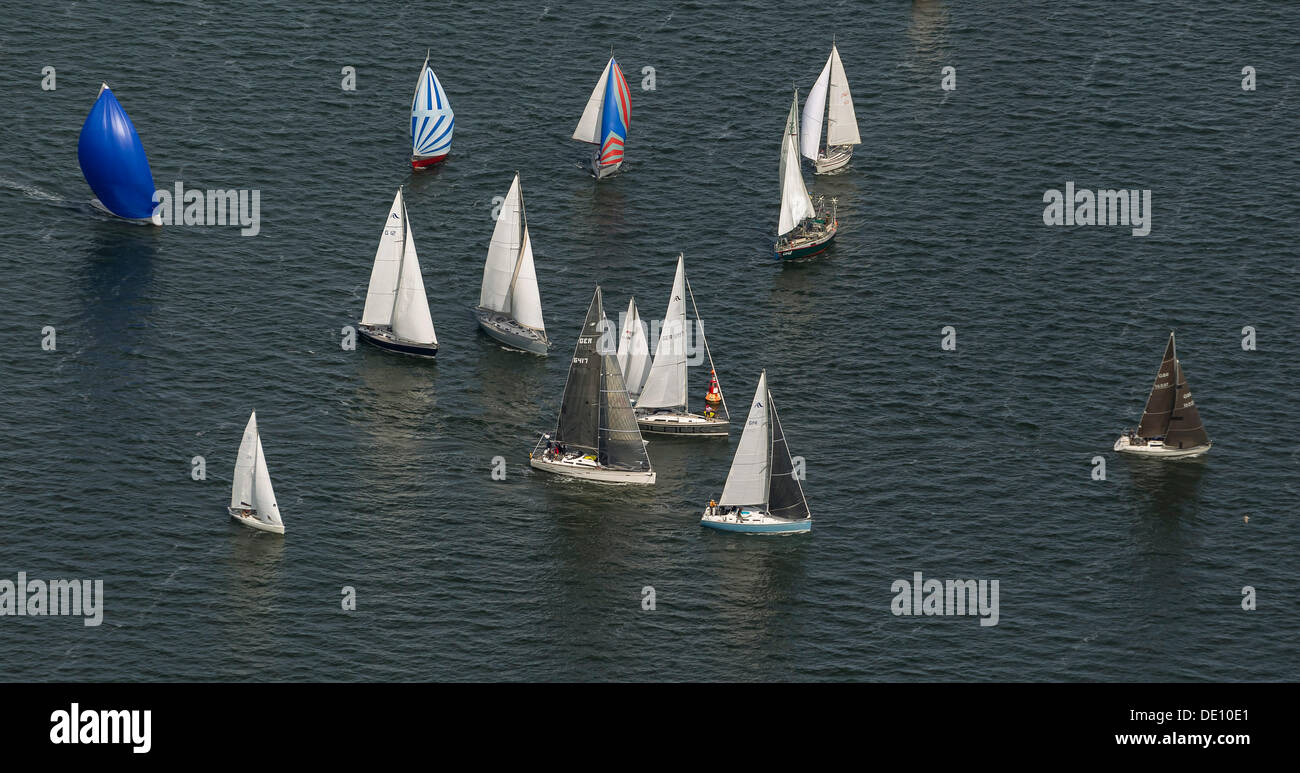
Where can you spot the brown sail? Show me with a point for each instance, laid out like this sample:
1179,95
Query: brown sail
1155,419
1185,428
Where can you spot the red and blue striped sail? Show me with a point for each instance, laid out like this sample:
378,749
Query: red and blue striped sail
615,116
112,159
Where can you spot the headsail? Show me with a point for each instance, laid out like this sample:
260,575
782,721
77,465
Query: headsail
785,497
1160,403
796,204
841,122
621,445
579,422
382,292
241,491
747,482
263,494
525,298
411,319
665,387
615,116
633,351
432,119
1185,428
814,108
113,161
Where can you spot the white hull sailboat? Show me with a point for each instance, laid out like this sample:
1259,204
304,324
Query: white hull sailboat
1171,425
432,121
804,229
510,306
830,99
396,316
762,494
663,406
605,121
252,499
596,436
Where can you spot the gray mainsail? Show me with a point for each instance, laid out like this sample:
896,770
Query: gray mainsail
1185,428
785,497
1160,404
595,412
579,423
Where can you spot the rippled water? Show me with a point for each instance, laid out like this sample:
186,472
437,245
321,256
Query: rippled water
966,464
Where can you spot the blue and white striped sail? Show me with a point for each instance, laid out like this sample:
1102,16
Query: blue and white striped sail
432,119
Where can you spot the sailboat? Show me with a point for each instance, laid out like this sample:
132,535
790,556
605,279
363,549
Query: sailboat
396,316
596,437
509,306
432,120
605,121
633,351
1171,426
252,500
663,407
829,99
113,161
762,494
804,229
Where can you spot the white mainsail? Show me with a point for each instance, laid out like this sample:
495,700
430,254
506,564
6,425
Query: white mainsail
263,495
503,252
747,482
411,320
665,387
633,351
525,300
388,261
791,129
841,122
796,204
241,491
589,125
814,108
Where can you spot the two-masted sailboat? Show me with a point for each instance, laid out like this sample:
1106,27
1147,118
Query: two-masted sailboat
1171,426
803,229
633,351
605,121
663,408
509,306
396,316
762,494
252,500
432,120
829,99
596,437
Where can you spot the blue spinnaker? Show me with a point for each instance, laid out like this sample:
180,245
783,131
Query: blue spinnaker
113,161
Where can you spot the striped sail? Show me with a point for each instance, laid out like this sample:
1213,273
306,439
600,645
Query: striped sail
616,115
432,119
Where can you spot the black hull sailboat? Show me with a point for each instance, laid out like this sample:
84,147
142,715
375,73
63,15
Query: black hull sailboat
1171,425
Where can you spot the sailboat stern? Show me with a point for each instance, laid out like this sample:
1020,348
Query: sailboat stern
249,518
424,162
833,159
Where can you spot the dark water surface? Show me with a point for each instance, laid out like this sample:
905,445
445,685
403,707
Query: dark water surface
967,464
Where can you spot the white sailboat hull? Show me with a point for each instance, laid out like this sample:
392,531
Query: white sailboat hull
751,520
510,333
682,424
254,523
834,158
1156,448
586,468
